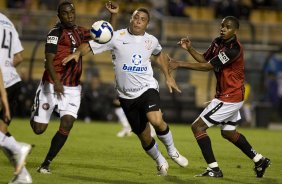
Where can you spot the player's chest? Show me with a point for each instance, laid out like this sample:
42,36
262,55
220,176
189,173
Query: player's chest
135,46
71,39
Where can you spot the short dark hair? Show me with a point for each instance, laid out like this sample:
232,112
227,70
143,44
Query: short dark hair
145,10
234,20
62,3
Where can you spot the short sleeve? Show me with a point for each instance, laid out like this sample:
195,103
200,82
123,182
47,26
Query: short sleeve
158,48
225,57
52,41
16,43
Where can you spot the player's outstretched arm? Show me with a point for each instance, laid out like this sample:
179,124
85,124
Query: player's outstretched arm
174,64
82,50
113,8
163,64
186,44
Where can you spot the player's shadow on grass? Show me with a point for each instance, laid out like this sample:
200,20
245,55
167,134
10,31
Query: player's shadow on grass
101,168
87,179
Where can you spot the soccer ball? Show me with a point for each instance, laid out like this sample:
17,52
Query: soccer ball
101,31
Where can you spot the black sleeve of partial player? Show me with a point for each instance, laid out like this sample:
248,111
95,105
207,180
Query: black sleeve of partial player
51,47
226,57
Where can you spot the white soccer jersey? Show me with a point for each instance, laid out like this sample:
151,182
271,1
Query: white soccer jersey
10,45
131,58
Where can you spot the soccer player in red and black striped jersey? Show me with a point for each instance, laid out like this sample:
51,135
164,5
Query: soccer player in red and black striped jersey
60,89
225,57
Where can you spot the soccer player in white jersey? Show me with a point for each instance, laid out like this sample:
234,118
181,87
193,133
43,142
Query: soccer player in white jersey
10,53
138,92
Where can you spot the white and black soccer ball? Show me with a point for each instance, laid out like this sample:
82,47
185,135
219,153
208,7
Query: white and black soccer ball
101,31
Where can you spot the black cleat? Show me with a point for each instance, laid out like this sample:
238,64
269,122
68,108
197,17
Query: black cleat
261,167
211,173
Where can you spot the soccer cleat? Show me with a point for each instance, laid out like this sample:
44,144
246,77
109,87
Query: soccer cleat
260,169
179,159
22,178
44,169
20,156
162,169
124,132
211,173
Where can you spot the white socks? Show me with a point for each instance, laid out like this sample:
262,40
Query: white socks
167,140
156,154
213,165
8,142
257,157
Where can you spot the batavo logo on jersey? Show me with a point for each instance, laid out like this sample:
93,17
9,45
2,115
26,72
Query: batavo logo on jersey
136,60
223,58
52,39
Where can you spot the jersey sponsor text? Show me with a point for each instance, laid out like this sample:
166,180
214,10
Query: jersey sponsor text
223,58
134,68
52,39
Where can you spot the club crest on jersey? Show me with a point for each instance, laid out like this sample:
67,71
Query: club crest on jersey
136,60
45,106
148,44
223,57
52,39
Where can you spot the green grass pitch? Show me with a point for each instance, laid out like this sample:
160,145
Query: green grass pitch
93,154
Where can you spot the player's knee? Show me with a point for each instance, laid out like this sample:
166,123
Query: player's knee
67,123
224,134
160,126
38,128
196,128
227,134
38,131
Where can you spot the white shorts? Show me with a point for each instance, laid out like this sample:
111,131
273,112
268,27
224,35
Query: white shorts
221,113
46,101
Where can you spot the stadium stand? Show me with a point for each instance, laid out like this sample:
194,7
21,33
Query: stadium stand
261,35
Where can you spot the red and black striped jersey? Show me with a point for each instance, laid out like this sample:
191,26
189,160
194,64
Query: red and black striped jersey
62,42
227,57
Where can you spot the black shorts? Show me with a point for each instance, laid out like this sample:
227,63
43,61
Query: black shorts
137,108
13,93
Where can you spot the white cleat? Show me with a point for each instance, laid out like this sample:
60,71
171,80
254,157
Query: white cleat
20,156
124,132
22,178
179,159
162,169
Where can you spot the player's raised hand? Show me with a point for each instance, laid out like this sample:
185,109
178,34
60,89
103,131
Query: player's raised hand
172,64
185,43
112,7
70,57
